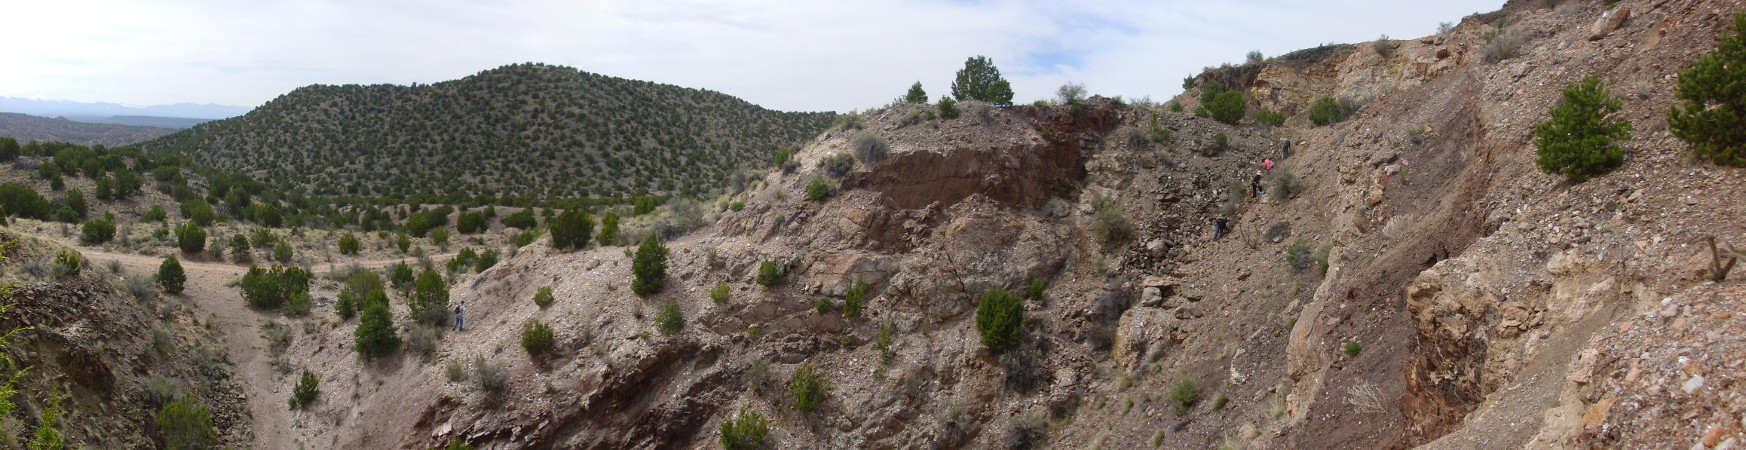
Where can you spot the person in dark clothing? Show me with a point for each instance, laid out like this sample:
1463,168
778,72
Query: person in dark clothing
1255,185
1219,228
1285,151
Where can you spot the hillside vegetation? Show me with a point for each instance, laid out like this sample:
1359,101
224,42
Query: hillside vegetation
25,128
529,129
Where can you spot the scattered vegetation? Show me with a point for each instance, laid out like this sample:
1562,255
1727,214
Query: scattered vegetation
916,95
1268,117
1283,181
869,147
1352,348
999,316
1384,46
1504,44
186,424
1580,141
1711,114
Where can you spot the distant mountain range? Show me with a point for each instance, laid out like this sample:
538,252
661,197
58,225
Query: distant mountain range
79,111
25,128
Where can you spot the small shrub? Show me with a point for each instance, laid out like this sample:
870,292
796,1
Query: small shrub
191,238
1024,370
884,341
869,147
1273,118
1070,93
1108,223
97,232
1579,141
1325,111
1322,260
948,108
719,294
1219,401
1026,430
68,263
736,206
1223,105
1184,392
1284,183
1035,290
348,244
185,424
770,273
820,189
170,275
536,338
1352,348
544,297
749,430
853,300
308,388
835,165
1504,45
1384,46
491,380
1714,112
1221,140
998,317
825,305
670,319
423,340
282,252
1297,255
1254,57
808,387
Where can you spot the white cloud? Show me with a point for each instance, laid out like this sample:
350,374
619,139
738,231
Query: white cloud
784,54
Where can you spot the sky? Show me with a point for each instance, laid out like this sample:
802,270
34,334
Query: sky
794,55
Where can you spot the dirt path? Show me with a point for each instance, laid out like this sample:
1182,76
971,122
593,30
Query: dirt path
206,287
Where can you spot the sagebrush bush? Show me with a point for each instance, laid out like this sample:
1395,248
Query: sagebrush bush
1580,141
1713,116
1384,46
1283,183
1297,255
1503,45
1184,392
999,317
1108,223
869,147
837,164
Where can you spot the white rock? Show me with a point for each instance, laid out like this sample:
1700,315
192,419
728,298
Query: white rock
1693,384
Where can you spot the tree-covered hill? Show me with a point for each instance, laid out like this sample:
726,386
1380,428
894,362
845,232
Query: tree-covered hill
530,130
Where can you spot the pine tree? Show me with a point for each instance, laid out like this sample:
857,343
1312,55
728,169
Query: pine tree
375,334
980,80
1713,92
1579,141
916,95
